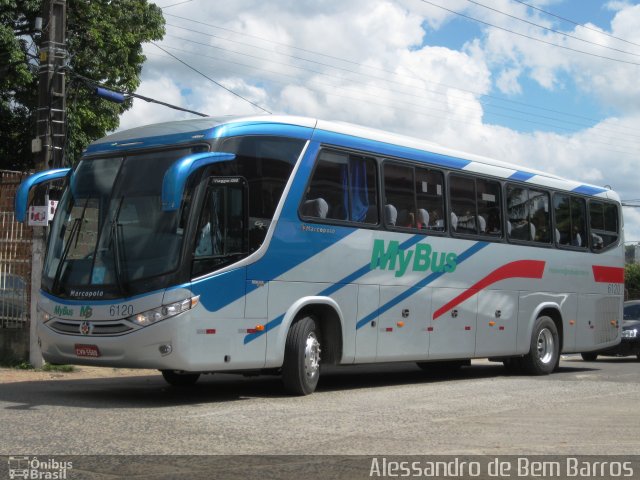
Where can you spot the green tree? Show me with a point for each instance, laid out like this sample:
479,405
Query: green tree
104,43
632,281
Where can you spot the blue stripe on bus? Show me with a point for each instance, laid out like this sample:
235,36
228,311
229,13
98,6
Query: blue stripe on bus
589,190
260,128
269,326
333,288
422,283
521,176
378,148
365,269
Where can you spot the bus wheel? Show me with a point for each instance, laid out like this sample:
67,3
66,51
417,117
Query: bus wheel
544,349
589,356
301,367
180,379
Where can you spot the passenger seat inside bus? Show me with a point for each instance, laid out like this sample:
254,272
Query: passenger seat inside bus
315,208
390,214
423,219
454,221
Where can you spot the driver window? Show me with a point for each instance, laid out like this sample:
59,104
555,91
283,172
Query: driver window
221,235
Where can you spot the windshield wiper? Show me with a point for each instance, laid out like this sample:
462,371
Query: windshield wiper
75,229
119,260
119,256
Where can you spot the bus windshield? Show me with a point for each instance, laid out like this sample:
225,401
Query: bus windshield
111,229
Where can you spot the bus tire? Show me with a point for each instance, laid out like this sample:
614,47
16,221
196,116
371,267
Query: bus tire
589,356
544,348
180,379
301,367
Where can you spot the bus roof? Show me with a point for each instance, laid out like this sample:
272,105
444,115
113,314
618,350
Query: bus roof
188,131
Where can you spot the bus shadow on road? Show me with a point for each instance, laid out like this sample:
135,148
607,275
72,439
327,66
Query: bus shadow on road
152,392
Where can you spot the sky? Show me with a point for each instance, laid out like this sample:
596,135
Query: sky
546,84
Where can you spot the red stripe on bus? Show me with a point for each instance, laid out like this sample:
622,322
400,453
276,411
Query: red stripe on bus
608,274
518,269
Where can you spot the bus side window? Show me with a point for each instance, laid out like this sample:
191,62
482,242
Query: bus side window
540,218
343,187
430,196
489,211
399,194
603,224
462,192
518,227
570,216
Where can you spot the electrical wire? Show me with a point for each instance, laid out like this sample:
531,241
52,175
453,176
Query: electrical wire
368,100
551,29
210,79
175,4
468,17
415,77
576,23
93,83
489,107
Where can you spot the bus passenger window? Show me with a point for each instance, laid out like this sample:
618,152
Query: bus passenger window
578,222
430,196
398,191
540,219
489,212
570,213
462,192
603,224
343,187
518,213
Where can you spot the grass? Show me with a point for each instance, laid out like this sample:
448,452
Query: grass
47,367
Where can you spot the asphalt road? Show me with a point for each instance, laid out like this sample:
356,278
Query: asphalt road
585,408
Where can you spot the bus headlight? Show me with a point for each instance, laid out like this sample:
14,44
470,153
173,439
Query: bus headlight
44,316
166,311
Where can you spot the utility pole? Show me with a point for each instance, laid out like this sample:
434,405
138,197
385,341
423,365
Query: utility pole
48,146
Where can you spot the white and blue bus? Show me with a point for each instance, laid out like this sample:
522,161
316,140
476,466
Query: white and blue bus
279,244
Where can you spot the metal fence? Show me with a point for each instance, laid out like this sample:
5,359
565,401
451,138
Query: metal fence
15,257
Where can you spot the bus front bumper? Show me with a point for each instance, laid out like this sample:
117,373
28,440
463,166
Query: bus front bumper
157,346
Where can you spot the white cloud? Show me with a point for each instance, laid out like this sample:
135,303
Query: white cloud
388,79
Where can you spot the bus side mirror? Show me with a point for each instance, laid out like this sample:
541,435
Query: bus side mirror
176,177
22,195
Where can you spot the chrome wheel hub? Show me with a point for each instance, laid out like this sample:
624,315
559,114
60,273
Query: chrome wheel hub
312,355
545,346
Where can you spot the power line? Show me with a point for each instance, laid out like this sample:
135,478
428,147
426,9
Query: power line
175,4
462,99
484,96
368,101
210,79
529,36
551,29
577,24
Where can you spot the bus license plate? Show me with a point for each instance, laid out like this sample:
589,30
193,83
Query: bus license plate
87,350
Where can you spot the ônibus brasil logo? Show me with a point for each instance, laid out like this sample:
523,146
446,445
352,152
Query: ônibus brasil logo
421,258
33,467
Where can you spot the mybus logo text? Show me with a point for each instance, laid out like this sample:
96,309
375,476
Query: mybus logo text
421,258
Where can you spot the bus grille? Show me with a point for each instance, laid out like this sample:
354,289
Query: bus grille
97,329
